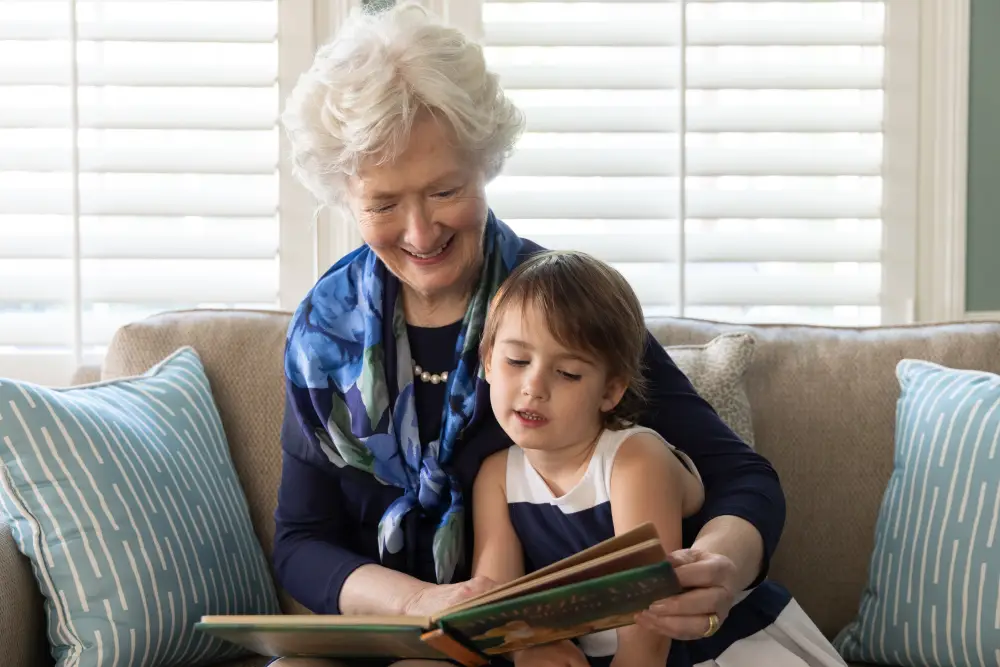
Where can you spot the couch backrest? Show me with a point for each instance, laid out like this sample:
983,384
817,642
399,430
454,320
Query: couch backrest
823,405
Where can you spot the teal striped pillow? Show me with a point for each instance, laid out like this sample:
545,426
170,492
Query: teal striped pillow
933,595
123,496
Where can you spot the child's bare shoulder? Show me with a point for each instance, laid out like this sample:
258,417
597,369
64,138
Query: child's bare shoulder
644,453
494,467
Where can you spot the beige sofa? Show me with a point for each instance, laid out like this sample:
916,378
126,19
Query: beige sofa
823,408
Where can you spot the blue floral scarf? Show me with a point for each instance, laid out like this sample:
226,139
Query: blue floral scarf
343,351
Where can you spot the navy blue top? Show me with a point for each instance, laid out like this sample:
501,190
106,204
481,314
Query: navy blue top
551,528
327,517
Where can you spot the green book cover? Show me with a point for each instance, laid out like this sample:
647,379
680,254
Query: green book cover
569,611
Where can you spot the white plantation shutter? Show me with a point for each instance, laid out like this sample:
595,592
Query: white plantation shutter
781,184
138,175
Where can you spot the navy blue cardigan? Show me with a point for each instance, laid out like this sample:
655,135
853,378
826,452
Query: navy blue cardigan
327,517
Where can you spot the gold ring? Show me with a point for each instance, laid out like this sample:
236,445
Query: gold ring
713,625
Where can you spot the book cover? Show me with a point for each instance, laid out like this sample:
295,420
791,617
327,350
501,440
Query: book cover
322,637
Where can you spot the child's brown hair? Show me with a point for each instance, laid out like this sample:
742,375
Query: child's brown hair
588,306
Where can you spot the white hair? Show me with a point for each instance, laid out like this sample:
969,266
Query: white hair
359,99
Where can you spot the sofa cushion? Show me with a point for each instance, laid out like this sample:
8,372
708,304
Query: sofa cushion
716,370
123,496
824,405
242,353
932,594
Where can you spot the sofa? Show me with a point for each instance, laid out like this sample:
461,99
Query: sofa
823,407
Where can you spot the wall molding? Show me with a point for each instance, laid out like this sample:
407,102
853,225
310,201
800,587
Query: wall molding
464,14
944,121
983,315
334,233
296,45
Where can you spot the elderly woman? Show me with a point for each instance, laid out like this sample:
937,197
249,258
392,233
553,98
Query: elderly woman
400,125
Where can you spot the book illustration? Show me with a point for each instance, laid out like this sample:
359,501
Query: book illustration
519,634
600,604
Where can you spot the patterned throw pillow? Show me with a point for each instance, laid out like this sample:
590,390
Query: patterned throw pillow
716,370
934,579
123,496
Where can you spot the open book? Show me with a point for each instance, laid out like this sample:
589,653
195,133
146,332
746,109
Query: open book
597,589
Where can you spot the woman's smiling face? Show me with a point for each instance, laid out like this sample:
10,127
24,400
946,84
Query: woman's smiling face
424,212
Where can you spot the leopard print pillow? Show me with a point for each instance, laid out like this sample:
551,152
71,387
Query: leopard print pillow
716,370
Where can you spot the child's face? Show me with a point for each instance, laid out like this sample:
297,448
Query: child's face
544,395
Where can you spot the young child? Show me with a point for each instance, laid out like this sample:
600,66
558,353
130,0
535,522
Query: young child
562,350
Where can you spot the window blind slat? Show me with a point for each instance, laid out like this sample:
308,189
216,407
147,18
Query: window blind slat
136,281
658,241
616,69
656,286
654,159
656,198
216,74
168,200
656,111
245,160
183,152
143,20
636,29
49,237
137,32
145,108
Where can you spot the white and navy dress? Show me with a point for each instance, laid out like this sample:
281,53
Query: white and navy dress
765,628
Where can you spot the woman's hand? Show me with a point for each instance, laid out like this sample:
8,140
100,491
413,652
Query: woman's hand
434,597
710,581
558,654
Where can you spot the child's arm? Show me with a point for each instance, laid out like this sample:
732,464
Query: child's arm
497,550
649,483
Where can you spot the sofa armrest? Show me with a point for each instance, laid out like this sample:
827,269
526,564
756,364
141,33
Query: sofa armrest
22,634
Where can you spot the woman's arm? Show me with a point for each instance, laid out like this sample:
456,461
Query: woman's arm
649,483
497,554
744,510
311,558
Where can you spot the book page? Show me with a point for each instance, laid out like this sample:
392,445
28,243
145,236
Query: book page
638,535
647,552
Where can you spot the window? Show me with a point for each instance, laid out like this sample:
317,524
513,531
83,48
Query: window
138,168
777,208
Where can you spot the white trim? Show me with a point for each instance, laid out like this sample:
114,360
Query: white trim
336,234
900,187
982,316
297,243
944,111
466,15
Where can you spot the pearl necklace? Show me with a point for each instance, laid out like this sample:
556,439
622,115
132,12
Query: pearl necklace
433,378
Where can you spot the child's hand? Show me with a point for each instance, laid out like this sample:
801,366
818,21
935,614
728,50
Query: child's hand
558,654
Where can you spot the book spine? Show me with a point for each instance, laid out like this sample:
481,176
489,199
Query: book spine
446,643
